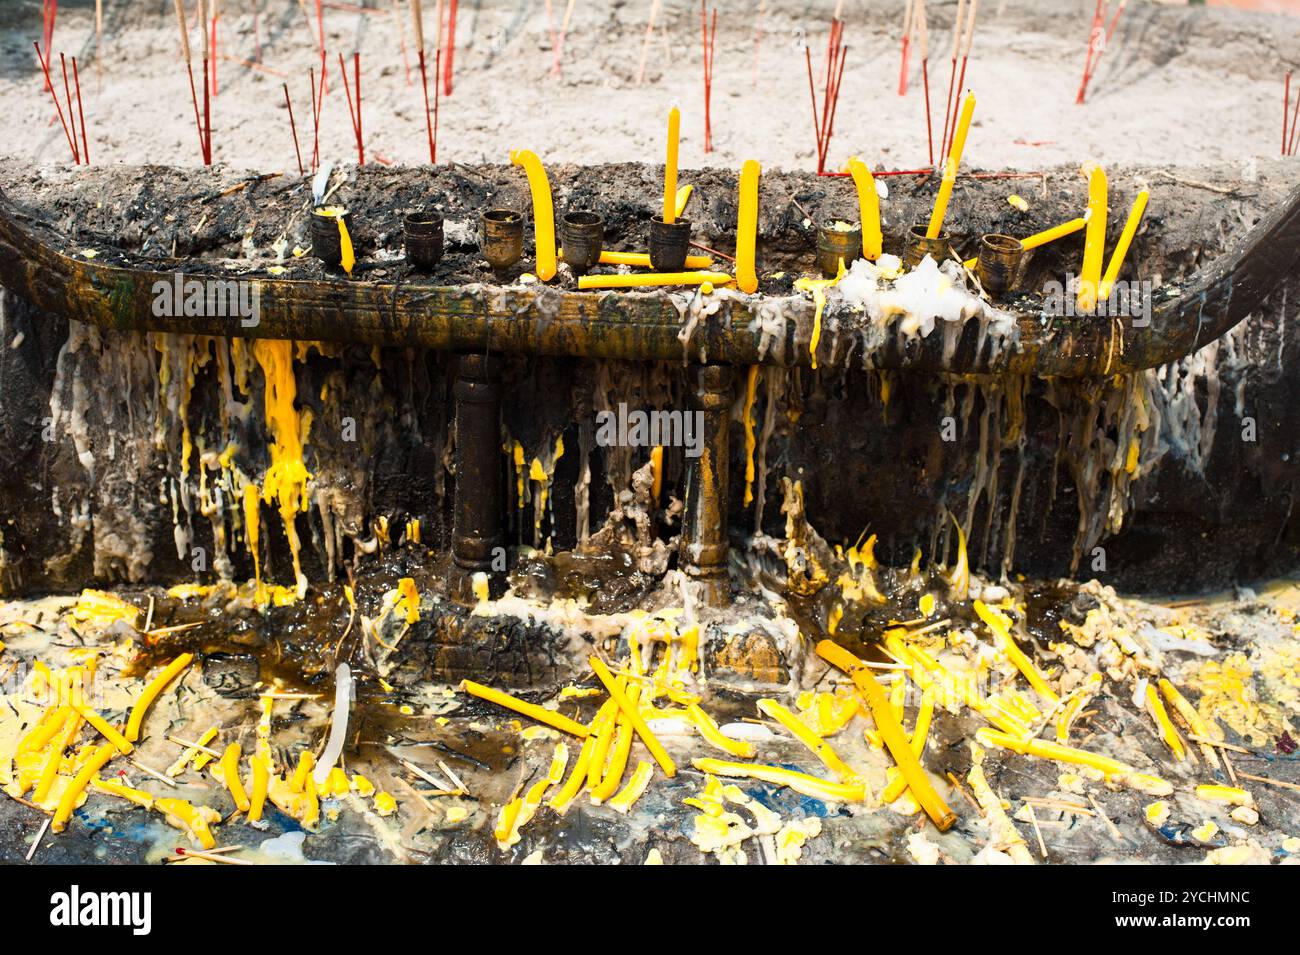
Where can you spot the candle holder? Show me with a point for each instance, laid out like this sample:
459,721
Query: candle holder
422,232
998,262
838,241
583,235
919,245
669,243
326,244
501,238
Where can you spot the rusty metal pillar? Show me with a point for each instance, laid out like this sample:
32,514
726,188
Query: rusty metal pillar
477,526
704,526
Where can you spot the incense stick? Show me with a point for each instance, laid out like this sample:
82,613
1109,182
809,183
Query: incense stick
293,127
1286,107
965,56
924,38
952,75
451,48
59,109
354,112
709,35
81,113
645,44
908,13
72,120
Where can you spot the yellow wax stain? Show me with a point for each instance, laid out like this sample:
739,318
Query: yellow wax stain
252,530
517,456
818,288
747,227
408,601
657,466
1017,202
347,258
751,387
286,479
868,208
543,211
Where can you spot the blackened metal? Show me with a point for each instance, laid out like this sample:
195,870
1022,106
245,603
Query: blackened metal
919,245
583,236
838,241
501,238
1183,317
422,232
669,243
477,536
326,242
999,262
704,544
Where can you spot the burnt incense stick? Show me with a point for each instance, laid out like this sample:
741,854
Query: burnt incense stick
908,14
293,128
81,113
72,120
45,68
417,18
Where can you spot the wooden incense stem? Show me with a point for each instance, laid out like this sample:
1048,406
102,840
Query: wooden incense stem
294,128
45,68
207,102
923,37
417,19
908,14
645,44
952,74
965,56
81,114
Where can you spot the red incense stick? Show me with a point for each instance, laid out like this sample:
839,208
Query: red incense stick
59,109
451,48
354,112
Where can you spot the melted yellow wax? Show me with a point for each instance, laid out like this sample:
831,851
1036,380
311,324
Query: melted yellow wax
286,479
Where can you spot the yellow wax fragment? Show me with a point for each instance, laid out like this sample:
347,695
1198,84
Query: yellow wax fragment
261,782
104,728
385,804
670,166
1017,202
630,793
657,466
1228,794
543,211
1167,732
683,197
868,208
346,258
642,259
751,443
634,717
799,782
114,788
362,786
820,748
747,227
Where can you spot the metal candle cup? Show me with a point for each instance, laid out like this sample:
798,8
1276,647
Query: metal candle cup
326,243
998,262
501,238
669,243
583,236
838,241
422,232
919,245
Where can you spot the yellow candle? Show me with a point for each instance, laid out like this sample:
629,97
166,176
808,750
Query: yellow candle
1121,247
68,801
306,762
1167,732
230,774
634,717
618,757
543,212
712,734
820,748
1046,236
114,788
891,733
642,259
1048,750
261,782
868,209
999,623
653,279
799,782
634,788
531,710
747,227
105,729
950,169
1228,794
604,726
156,686
670,166
919,734
1094,243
